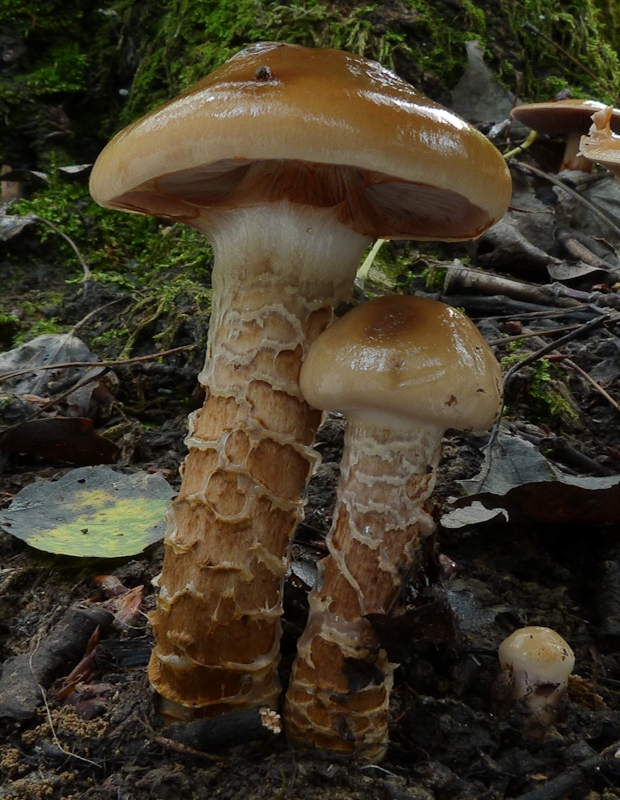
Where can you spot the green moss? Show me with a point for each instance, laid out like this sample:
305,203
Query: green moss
130,250
63,70
166,268
548,397
581,29
545,389
434,278
192,38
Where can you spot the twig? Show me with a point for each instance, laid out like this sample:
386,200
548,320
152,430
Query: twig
532,29
562,784
585,328
56,739
575,195
51,403
529,334
87,273
65,338
533,315
182,749
93,313
591,381
118,363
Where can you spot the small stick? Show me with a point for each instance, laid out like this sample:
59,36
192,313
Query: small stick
532,29
585,328
117,363
562,784
55,737
182,749
529,334
534,315
87,273
592,382
51,403
467,279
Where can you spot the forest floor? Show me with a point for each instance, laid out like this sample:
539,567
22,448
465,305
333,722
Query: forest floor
550,558
540,547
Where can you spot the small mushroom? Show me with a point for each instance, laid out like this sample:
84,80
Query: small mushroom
565,118
402,370
602,144
539,663
291,161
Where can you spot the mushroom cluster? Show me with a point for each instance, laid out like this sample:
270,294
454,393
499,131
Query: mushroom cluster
570,119
402,370
290,161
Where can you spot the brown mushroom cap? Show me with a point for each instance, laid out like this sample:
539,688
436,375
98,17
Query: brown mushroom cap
321,127
409,357
558,118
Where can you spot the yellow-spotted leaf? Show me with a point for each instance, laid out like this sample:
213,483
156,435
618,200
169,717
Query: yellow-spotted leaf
91,511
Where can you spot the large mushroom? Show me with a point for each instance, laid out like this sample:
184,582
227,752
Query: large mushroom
570,119
402,370
291,161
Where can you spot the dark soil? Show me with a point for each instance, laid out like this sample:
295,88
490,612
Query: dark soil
451,737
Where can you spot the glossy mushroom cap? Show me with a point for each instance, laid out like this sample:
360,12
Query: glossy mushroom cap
558,118
601,144
320,127
405,359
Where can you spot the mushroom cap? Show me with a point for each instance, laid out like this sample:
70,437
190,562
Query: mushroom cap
412,358
540,652
561,117
322,127
602,145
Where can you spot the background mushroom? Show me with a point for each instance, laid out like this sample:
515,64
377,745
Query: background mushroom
564,118
601,144
539,662
402,370
291,161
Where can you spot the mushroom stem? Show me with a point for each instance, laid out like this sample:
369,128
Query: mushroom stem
341,681
279,270
573,159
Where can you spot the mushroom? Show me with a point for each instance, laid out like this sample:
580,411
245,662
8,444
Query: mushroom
402,370
539,663
602,144
290,161
567,118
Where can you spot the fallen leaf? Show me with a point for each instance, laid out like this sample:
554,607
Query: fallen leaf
91,511
516,477
45,350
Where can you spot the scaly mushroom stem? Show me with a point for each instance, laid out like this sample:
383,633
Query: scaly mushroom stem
279,270
341,681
